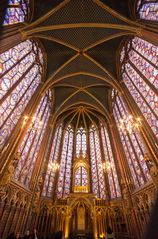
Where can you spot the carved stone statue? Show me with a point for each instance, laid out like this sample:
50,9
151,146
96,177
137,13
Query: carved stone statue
8,174
50,208
37,193
16,159
3,192
2,147
126,195
153,169
6,179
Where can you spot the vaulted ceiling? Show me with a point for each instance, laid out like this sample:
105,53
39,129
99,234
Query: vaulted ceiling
81,39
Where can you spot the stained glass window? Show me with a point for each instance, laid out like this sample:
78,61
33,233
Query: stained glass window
109,160
98,180
16,12
148,9
81,142
140,74
132,144
53,158
46,152
31,143
20,74
81,177
64,179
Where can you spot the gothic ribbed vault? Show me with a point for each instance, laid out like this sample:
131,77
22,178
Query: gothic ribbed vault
78,116
81,40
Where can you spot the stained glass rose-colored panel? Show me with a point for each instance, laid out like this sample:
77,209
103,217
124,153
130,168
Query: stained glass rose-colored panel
140,74
20,76
148,10
64,180
133,146
109,159
53,158
31,143
81,142
98,180
16,12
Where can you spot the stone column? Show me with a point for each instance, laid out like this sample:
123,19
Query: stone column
10,37
67,226
95,229
148,35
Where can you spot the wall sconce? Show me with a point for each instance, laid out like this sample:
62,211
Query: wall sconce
1,68
53,167
106,166
35,122
130,123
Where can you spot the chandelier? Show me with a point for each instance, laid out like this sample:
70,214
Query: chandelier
52,166
35,122
1,68
130,123
106,166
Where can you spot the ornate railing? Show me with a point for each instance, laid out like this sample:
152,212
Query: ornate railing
81,189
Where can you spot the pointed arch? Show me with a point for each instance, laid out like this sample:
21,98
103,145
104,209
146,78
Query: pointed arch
21,71
139,70
133,146
110,164
64,180
98,180
17,12
48,186
81,142
30,146
147,10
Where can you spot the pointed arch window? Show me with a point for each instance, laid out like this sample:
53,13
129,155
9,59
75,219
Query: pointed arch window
64,179
133,146
16,12
98,180
21,70
148,10
31,143
81,142
140,74
109,160
81,177
53,158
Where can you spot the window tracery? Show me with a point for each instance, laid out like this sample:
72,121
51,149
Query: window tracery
31,143
148,9
53,158
81,142
132,144
64,180
16,12
98,180
20,73
81,177
109,160
140,74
